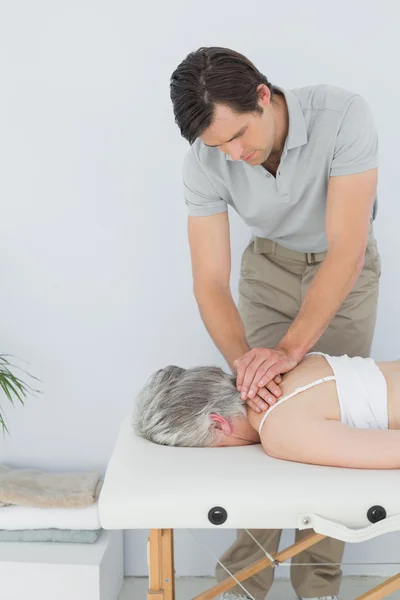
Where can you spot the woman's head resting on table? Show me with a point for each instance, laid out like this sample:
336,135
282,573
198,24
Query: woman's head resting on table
196,407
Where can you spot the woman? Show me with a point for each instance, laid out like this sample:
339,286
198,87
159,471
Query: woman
336,411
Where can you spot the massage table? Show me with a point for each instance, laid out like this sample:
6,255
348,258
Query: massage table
163,488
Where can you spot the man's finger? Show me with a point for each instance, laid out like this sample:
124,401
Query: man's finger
273,370
272,385
261,372
267,396
249,376
242,363
264,371
257,404
274,388
251,404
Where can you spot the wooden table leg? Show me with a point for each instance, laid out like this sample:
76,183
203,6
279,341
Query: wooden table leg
162,573
258,566
383,589
161,565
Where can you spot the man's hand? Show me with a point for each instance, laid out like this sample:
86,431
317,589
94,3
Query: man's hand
258,374
264,399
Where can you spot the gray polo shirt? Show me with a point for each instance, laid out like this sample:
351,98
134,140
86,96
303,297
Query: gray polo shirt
331,132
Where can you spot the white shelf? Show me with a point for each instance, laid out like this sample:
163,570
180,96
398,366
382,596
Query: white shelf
48,570
55,552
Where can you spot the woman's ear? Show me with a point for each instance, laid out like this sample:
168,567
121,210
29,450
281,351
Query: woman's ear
220,423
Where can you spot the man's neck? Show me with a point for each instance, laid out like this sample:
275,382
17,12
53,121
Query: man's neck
281,115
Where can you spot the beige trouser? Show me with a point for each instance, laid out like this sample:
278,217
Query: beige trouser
273,283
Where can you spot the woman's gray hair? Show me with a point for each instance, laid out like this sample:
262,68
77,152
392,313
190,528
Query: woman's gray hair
174,406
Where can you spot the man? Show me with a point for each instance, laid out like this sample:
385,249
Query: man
300,168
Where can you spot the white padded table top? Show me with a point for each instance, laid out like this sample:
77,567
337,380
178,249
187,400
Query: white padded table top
152,486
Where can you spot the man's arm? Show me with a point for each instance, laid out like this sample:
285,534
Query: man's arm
210,251
351,192
209,241
349,205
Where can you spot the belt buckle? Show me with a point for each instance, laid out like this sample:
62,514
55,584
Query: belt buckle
310,258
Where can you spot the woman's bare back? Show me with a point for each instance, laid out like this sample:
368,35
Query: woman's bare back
322,400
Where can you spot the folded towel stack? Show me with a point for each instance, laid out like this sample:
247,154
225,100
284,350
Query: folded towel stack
49,507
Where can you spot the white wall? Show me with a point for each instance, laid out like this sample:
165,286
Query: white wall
96,286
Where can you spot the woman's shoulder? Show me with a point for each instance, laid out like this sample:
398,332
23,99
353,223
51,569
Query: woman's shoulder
294,412
277,430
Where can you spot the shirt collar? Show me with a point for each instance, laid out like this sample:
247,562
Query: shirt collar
297,134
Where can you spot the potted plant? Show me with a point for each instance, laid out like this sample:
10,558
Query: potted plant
12,387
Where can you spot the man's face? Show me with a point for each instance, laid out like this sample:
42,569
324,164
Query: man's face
248,136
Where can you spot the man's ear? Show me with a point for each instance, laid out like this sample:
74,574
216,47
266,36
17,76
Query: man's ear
263,94
220,423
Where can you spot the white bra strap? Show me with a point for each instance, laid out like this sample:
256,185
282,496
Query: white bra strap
296,391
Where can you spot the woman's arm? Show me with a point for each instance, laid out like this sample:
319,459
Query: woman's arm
323,442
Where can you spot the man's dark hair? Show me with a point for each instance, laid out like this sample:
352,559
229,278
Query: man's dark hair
209,76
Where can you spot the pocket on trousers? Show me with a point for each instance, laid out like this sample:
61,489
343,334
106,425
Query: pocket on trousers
372,258
245,258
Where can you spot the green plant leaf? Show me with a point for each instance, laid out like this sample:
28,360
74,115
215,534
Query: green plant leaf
12,386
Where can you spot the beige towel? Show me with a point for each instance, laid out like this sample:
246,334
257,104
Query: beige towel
28,487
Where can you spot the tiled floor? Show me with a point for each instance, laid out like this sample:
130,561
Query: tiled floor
135,588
